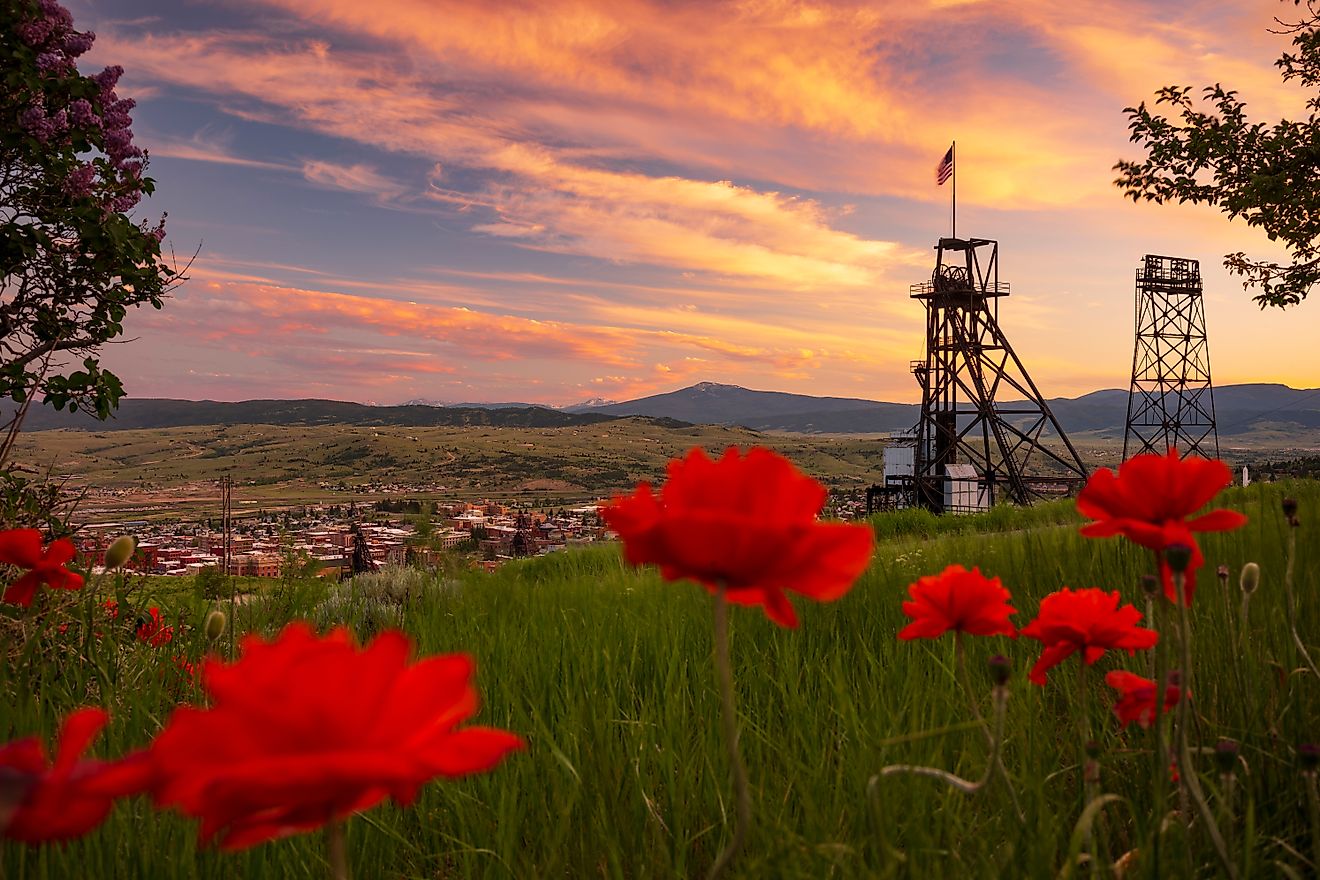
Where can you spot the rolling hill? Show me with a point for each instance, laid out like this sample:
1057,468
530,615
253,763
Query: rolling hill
1244,412
135,414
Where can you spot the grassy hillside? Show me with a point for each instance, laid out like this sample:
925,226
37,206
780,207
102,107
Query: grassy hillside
607,673
595,458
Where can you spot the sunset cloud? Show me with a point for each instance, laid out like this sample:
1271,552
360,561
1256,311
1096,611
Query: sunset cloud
352,178
627,196
537,195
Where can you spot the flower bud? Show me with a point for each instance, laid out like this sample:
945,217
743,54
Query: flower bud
1000,669
215,625
1308,757
1250,578
120,551
1290,508
1150,585
1222,574
1226,755
1179,556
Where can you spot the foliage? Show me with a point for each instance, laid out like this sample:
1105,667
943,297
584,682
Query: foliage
1266,175
210,584
72,261
27,501
602,667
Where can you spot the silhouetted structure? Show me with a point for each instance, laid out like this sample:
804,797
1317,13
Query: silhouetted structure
360,562
226,524
1171,402
979,438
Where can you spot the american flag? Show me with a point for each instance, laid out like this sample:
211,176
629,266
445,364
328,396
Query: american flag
944,170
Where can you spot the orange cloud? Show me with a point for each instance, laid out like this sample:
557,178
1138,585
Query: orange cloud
352,340
540,197
352,178
723,144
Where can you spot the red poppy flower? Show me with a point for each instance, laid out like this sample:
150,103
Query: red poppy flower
72,796
1088,620
22,547
744,523
1150,500
186,667
154,629
305,729
958,600
1136,697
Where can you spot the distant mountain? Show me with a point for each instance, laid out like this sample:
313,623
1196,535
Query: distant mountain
163,413
420,401
713,403
592,403
1240,409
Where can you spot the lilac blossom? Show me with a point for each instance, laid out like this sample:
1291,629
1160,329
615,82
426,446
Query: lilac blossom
80,180
35,33
51,61
81,114
107,79
76,44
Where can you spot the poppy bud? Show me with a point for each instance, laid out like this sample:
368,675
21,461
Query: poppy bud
1222,574
1000,669
215,625
1308,757
1150,585
1179,556
120,551
1250,578
1226,754
1290,509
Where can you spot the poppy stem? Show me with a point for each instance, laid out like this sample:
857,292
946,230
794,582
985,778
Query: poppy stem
1188,775
334,841
1246,622
994,738
1150,624
1160,673
1292,601
965,679
966,786
1088,768
742,790
1313,809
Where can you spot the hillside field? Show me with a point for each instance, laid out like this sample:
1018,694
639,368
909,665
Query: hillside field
606,671
172,469
172,472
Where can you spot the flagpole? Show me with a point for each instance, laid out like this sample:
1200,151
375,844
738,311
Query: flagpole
953,151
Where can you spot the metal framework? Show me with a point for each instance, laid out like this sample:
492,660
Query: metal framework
1171,402
226,525
983,421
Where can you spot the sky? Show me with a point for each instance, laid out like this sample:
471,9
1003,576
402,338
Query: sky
556,201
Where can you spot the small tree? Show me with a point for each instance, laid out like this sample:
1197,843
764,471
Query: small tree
72,261
1268,176
209,583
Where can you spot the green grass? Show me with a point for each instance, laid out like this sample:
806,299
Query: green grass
275,464
607,673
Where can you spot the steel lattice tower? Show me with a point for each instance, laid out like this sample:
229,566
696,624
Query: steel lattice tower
1171,402
979,407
